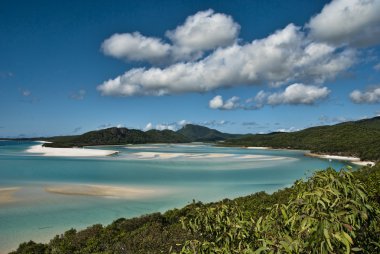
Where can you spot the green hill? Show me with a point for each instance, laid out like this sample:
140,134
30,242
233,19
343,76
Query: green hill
199,133
121,136
118,136
355,138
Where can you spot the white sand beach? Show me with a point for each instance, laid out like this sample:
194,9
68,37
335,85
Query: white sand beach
353,160
7,194
69,152
217,155
262,157
106,191
257,147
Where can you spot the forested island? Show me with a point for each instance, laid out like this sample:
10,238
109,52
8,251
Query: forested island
355,138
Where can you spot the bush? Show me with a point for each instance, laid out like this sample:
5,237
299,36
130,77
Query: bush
329,213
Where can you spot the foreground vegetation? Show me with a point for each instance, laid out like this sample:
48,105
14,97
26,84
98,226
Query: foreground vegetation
331,212
358,138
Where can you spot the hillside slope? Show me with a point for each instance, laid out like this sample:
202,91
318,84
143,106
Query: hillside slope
355,138
118,136
199,133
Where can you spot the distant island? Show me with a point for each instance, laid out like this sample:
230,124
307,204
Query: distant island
122,136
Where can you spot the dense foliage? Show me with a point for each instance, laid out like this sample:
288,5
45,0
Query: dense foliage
360,138
118,136
198,133
332,212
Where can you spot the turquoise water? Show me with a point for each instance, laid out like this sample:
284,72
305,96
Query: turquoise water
201,172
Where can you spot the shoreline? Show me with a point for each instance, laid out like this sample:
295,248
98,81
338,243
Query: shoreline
351,159
68,152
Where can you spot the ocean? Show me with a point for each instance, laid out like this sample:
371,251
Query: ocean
42,196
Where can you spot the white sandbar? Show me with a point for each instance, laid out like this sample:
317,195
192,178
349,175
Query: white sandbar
105,191
69,152
7,194
353,160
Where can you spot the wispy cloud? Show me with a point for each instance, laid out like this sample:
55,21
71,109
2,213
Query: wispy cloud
109,125
104,126
25,92
77,129
331,120
249,124
6,74
27,96
79,95
291,129
377,67
216,123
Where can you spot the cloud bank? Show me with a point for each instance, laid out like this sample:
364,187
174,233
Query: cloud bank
204,54
278,59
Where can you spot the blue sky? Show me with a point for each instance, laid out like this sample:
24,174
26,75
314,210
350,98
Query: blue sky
67,67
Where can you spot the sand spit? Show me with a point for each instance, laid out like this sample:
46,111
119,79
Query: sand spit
200,156
105,191
257,147
154,155
69,152
7,194
353,160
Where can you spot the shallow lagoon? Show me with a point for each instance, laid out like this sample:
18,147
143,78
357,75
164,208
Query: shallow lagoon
154,178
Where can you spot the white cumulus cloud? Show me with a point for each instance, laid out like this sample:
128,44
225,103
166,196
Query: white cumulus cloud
218,103
299,94
370,96
134,46
203,31
354,22
294,94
